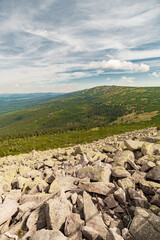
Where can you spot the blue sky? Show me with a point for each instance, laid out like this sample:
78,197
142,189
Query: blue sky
68,45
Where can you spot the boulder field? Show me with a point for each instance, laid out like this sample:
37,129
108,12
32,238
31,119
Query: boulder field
105,190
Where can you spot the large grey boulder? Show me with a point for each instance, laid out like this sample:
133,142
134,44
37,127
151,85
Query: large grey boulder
149,187
113,234
48,235
57,209
97,187
123,157
95,173
120,172
93,217
147,149
73,225
145,225
133,145
154,174
7,210
62,183
90,233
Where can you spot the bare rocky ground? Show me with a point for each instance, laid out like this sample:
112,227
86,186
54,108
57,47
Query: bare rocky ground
106,190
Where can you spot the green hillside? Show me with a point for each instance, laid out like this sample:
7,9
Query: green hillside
82,116
90,108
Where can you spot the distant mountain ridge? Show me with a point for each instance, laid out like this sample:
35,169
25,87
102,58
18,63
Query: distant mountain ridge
95,107
10,102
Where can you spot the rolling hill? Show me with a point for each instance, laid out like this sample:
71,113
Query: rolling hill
79,117
96,107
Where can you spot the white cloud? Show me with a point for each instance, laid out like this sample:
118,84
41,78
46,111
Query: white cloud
155,74
46,42
118,65
126,81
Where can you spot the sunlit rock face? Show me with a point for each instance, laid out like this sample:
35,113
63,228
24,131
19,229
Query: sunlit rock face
108,189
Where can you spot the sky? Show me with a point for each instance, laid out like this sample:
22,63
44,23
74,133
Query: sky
69,45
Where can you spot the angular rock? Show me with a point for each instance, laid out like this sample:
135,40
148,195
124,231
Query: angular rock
149,187
36,221
138,176
147,166
154,174
95,187
113,234
90,233
74,198
123,157
145,226
73,225
133,194
156,149
48,235
93,218
84,160
109,149
133,145
37,198
95,173
126,183
57,209
147,149
62,183
120,196
120,172
7,210
110,201
156,200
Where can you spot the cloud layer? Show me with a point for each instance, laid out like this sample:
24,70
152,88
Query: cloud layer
119,65
45,45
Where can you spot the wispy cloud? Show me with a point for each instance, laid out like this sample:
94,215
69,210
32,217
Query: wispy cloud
52,41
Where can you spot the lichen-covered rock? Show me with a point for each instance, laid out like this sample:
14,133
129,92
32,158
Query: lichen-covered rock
145,226
147,149
126,183
154,174
123,157
133,145
42,194
95,173
120,172
149,187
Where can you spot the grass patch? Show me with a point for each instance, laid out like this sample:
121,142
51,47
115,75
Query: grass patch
14,146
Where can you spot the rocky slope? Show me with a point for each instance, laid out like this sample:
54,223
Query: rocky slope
106,190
